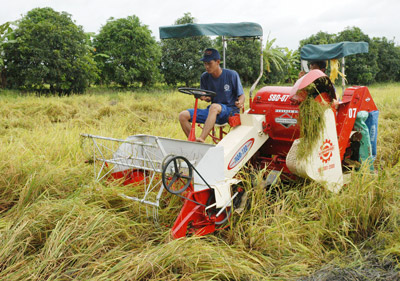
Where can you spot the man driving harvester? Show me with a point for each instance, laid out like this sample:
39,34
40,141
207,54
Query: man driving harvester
228,101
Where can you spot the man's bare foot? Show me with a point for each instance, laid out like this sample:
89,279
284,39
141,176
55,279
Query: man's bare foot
199,140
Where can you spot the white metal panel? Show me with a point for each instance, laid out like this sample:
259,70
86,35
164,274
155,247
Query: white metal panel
147,152
242,142
211,169
323,163
220,164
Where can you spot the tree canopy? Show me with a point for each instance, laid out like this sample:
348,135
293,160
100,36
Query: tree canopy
388,60
5,29
361,69
243,57
126,52
48,51
180,62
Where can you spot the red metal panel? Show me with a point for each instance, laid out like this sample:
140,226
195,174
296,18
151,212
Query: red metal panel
355,99
280,114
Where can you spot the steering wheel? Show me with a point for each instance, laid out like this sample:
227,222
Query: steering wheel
177,174
197,92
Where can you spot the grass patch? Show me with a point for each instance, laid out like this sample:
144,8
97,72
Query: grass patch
57,223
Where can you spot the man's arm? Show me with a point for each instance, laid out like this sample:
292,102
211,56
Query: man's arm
240,102
203,85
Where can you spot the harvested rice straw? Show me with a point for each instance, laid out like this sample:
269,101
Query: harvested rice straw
311,120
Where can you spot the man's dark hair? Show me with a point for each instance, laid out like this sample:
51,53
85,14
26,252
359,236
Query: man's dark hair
321,64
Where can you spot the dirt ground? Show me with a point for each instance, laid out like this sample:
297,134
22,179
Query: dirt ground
372,269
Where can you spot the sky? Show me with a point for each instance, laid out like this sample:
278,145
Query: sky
286,21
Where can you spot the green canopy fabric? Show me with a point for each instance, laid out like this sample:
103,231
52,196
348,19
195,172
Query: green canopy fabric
242,29
332,51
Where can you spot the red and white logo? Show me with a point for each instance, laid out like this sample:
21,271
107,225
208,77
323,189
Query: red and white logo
240,154
326,151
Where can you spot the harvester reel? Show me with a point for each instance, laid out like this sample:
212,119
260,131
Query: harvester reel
177,174
197,92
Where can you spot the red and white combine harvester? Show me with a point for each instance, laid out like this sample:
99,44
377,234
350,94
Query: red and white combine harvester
266,136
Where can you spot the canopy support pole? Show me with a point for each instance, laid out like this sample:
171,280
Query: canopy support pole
223,50
261,73
343,78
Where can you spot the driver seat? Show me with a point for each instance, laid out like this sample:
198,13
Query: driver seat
218,131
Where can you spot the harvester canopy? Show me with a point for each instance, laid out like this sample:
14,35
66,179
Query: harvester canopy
242,29
332,52
312,52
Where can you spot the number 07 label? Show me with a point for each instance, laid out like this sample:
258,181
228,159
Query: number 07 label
352,112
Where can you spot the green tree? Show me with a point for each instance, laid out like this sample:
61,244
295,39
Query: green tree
318,39
180,61
388,60
275,76
49,50
5,31
361,69
244,57
291,65
273,62
127,53
287,71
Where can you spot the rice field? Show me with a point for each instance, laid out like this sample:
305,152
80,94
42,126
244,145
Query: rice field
58,223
